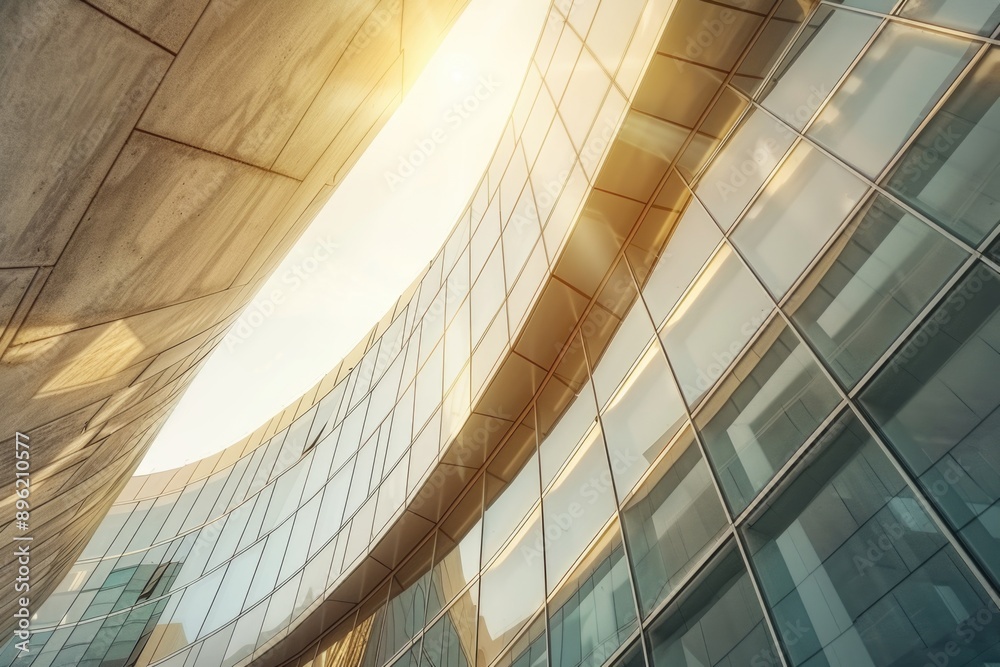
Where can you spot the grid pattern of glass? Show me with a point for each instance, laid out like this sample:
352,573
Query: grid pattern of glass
786,453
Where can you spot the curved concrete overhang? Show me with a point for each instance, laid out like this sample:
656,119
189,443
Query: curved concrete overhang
157,160
611,209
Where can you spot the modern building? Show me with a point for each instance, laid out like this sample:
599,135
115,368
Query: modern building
706,374
157,161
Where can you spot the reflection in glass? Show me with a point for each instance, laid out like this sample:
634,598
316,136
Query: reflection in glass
713,322
632,657
577,506
763,412
869,286
689,247
952,171
977,16
815,63
501,614
938,403
797,212
451,641
592,613
741,167
528,650
890,91
671,521
717,621
642,417
856,572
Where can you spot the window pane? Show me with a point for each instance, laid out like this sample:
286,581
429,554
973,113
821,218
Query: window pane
750,155
632,658
855,571
902,76
821,55
718,621
952,171
641,419
577,506
689,247
713,322
797,212
593,613
763,412
502,615
672,520
979,16
938,404
869,286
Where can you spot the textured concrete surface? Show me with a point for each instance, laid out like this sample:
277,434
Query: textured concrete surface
157,159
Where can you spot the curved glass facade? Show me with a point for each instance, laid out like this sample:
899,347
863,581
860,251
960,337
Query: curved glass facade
706,375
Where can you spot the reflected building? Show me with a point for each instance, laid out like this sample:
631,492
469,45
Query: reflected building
704,375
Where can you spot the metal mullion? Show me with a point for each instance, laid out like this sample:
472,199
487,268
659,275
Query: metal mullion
849,399
900,341
930,507
932,113
626,549
697,566
858,209
896,18
772,631
773,69
881,190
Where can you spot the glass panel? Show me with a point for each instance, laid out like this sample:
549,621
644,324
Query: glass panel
889,92
869,286
795,215
713,322
671,521
509,508
632,658
594,611
456,567
641,419
978,16
689,247
567,434
451,642
762,413
816,62
528,650
718,621
577,506
938,404
743,164
502,615
855,571
884,6
952,171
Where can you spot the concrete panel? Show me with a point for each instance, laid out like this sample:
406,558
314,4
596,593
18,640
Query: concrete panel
48,378
370,54
246,77
13,284
81,80
166,22
161,201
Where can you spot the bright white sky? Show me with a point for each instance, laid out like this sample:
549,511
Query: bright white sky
371,239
